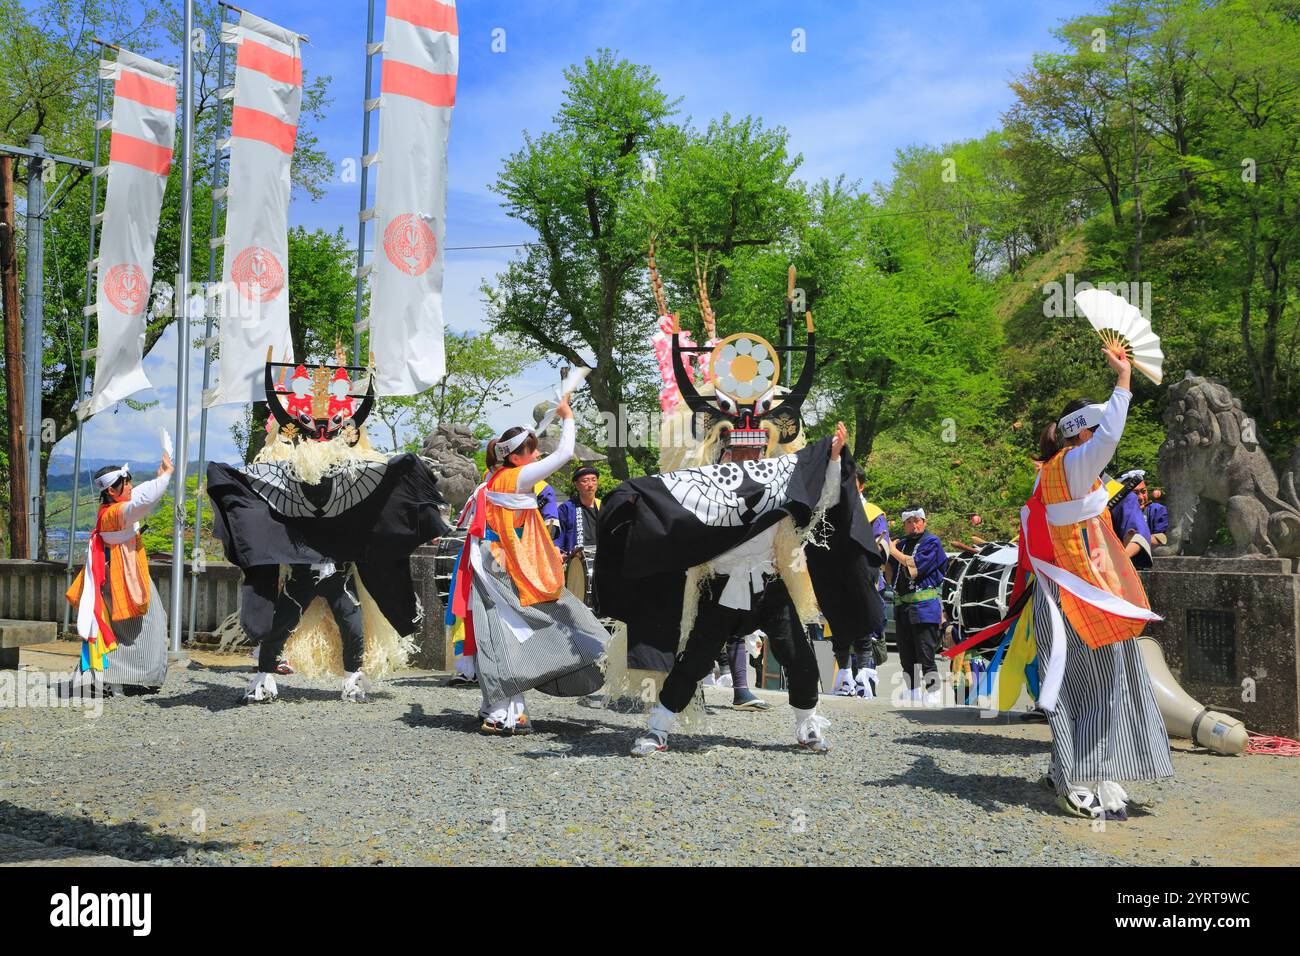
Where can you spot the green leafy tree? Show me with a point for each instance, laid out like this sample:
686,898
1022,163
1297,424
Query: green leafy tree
579,293
156,535
49,71
718,195
48,68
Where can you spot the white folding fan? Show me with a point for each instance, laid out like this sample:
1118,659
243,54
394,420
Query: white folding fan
1123,326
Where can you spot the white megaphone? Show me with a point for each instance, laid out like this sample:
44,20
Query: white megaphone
1185,717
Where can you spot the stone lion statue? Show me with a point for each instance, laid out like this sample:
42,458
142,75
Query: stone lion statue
449,451
1211,460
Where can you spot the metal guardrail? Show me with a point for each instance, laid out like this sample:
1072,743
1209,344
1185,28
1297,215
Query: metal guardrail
34,590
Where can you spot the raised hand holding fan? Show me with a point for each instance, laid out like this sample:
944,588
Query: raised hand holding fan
1122,327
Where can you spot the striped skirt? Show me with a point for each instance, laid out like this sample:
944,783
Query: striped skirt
141,656
557,647
1106,725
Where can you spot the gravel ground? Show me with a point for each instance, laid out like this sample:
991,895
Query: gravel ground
190,777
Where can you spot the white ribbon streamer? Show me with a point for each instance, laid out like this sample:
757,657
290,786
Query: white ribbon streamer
1091,594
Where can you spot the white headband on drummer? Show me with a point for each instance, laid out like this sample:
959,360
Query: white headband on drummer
1134,473
1076,421
106,481
505,448
914,513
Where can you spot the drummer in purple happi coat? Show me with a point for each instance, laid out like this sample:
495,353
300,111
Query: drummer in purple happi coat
1157,515
916,566
579,514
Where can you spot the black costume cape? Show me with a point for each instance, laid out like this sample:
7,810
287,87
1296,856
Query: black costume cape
383,516
653,529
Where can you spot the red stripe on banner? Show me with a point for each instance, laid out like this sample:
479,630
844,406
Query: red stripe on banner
402,79
140,152
146,91
280,67
249,123
423,13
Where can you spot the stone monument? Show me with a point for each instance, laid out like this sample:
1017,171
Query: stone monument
449,451
1211,463
1231,628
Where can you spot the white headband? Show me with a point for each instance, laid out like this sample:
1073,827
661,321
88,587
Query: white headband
1076,421
1134,473
914,513
104,482
505,448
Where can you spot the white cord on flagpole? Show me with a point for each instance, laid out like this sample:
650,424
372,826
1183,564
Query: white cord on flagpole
182,301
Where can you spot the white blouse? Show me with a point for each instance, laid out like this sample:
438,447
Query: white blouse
1084,463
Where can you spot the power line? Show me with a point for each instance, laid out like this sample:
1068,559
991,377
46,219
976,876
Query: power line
502,245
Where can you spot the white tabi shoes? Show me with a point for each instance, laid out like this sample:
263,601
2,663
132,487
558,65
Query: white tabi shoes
356,687
810,730
655,741
1110,802
261,689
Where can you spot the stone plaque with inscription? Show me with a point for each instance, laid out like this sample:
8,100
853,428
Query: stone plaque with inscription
1212,645
1230,632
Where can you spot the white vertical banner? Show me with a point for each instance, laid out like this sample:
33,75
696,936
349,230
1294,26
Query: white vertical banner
143,134
421,52
254,294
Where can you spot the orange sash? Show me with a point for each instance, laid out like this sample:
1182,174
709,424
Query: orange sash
1090,550
128,569
530,557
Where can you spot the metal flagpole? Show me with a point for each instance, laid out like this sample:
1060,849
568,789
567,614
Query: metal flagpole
86,313
366,160
183,333
789,324
33,330
214,168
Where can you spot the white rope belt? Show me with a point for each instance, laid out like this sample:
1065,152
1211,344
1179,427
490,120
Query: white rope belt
120,537
513,501
1078,509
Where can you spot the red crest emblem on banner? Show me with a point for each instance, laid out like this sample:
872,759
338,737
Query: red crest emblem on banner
257,274
125,287
409,244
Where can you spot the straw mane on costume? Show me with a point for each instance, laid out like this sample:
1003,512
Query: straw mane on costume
316,650
311,461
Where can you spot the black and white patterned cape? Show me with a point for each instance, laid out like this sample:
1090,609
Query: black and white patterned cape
372,516
653,529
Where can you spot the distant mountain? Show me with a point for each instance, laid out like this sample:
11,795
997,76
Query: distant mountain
63,481
62,464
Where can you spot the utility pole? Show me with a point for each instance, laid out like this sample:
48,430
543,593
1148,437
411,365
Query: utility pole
18,541
30,355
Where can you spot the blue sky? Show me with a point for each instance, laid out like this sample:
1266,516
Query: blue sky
875,77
